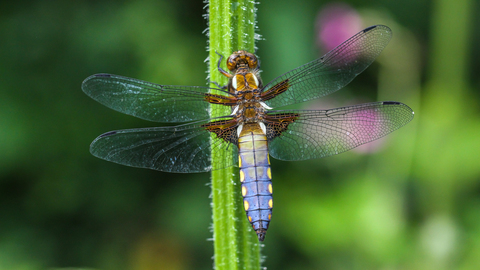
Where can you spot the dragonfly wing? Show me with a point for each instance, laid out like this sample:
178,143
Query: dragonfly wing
321,133
331,72
149,101
182,149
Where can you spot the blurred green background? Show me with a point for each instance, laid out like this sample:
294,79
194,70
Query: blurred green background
408,201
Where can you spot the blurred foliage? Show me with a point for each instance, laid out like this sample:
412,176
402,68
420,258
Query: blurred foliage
411,201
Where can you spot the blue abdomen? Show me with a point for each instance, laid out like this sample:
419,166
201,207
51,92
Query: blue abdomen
256,177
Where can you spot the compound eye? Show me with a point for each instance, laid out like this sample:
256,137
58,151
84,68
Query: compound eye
232,62
252,60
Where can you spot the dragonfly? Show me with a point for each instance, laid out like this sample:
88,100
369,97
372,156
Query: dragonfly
252,130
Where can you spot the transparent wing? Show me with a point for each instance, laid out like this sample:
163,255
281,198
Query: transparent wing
316,134
181,149
149,101
332,71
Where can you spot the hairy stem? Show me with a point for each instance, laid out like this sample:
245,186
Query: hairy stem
231,28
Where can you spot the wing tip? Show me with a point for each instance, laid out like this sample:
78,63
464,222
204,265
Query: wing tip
102,75
107,134
370,28
99,75
401,104
93,145
391,103
92,77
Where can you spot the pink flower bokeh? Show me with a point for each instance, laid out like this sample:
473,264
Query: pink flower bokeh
336,23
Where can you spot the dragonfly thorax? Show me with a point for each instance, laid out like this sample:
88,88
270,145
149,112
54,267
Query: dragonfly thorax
249,112
244,81
245,86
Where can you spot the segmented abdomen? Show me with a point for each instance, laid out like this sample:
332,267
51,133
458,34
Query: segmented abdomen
256,177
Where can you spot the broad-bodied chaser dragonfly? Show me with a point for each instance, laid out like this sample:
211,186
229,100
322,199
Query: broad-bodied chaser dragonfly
253,130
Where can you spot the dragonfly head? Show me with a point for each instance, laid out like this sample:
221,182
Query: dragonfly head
241,59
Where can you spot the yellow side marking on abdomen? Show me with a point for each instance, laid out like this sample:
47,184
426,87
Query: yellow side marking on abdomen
242,176
244,191
270,188
246,205
270,203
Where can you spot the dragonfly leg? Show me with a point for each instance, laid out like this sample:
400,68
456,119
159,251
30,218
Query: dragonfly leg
221,69
219,86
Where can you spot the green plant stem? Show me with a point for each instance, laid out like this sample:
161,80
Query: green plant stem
231,28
